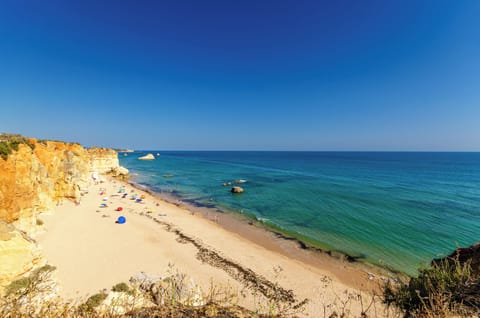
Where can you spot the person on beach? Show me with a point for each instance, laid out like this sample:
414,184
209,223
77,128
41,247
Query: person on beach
95,177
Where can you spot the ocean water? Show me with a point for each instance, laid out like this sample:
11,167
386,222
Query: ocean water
395,209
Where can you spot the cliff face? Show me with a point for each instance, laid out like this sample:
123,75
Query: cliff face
32,181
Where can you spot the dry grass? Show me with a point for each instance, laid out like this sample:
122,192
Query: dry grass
444,290
175,296
447,288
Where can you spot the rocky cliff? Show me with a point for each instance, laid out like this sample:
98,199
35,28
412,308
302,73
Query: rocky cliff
33,178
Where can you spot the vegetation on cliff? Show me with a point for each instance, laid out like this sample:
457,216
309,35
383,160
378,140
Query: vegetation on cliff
449,287
10,142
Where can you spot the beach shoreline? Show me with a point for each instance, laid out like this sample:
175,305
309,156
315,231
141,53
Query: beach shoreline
252,229
91,252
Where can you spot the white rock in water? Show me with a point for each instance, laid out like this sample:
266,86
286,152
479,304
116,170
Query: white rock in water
147,157
237,190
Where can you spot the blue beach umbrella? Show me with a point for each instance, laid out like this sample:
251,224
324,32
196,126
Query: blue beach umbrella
121,220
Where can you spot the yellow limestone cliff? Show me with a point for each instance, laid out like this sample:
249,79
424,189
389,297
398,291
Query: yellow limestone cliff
33,181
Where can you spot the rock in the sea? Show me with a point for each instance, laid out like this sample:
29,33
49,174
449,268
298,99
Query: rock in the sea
240,181
237,189
147,157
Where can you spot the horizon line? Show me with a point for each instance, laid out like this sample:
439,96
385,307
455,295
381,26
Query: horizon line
280,150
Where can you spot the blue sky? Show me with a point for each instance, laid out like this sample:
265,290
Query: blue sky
258,75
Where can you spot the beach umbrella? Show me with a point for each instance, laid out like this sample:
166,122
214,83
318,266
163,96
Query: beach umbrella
121,220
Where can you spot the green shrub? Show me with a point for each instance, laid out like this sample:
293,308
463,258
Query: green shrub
18,285
14,144
95,300
10,142
44,269
30,283
4,150
122,288
446,287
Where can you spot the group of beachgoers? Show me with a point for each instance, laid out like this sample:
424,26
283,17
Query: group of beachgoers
140,199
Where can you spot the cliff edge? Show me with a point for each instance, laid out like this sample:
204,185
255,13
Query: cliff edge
34,177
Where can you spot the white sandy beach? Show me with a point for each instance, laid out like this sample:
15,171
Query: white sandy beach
92,252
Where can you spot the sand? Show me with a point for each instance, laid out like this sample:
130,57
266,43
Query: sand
92,252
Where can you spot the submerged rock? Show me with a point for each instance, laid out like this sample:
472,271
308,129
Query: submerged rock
239,181
147,157
237,190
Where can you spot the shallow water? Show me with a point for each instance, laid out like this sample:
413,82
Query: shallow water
397,209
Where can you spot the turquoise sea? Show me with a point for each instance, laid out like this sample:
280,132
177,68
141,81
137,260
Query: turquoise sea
396,209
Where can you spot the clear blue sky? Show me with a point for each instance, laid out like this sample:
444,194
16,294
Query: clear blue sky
268,75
